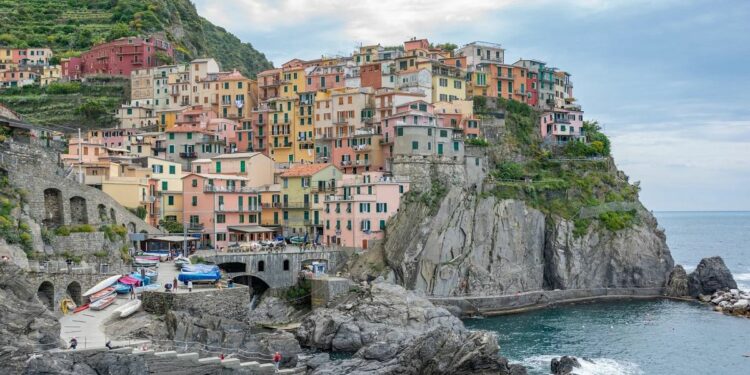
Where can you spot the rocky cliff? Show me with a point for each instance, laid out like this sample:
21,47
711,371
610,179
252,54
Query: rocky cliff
26,326
541,217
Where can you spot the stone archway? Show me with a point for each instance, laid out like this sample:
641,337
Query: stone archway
78,212
74,291
257,285
53,208
131,227
233,267
102,210
46,294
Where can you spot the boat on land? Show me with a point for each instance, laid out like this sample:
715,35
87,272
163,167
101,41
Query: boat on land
162,255
146,260
102,303
102,293
122,288
128,308
199,272
81,308
104,284
181,261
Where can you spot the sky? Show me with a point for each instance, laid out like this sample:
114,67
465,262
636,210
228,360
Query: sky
668,79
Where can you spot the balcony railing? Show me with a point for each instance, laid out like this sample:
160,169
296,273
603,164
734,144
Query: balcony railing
295,204
228,189
224,208
195,226
272,205
362,148
188,155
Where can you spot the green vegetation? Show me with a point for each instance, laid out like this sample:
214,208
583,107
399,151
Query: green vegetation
89,104
114,232
139,211
430,198
125,253
69,256
298,294
445,46
72,26
66,230
14,230
481,142
171,226
101,254
546,180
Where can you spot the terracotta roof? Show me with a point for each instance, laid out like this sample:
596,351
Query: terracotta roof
301,170
235,75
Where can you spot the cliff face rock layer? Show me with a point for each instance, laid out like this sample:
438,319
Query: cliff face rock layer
396,331
26,325
485,246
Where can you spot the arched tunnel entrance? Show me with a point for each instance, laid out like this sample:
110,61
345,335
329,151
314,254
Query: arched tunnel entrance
233,267
256,285
74,291
46,294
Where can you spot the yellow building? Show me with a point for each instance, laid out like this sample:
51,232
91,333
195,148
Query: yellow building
50,74
168,176
270,198
448,82
303,189
366,54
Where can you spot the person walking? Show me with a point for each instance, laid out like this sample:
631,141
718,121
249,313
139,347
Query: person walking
73,343
174,284
277,360
132,292
190,286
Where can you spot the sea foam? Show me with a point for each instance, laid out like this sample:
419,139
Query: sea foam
594,366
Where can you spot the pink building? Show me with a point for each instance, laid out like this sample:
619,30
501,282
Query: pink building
223,209
562,125
118,57
418,112
326,77
357,214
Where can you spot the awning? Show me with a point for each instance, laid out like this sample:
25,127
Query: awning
173,238
250,229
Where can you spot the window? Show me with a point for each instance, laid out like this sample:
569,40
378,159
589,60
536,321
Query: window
382,224
171,135
286,261
171,149
443,82
399,131
456,146
194,201
189,135
218,167
242,165
443,133
381,207
164,186
172,169
456,84
221,219
170,200
365,225
415,145
261,266
195,182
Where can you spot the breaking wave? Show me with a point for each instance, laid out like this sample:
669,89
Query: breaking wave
594,366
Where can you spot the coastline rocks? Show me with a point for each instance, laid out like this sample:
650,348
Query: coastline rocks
734,302
26,325
710,276
677,283
396,331
563,365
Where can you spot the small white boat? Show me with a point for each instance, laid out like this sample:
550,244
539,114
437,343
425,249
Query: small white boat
104,284
152,287
128,309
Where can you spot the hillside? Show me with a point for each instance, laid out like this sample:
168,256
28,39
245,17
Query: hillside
72,26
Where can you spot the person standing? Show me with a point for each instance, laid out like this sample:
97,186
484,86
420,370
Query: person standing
132,292
190,286
277,360
73,343
174,284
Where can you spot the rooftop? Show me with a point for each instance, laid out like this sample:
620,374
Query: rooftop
304,170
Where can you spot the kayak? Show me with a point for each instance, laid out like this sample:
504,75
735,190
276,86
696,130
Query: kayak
102,303
104,284
102,293
129,308
81,308
146,261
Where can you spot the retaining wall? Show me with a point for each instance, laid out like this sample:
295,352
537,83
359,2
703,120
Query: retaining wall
227,302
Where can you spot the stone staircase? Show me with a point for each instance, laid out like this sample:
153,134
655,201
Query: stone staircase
174,363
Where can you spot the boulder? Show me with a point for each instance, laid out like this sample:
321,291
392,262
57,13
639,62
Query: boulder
741,305
710,275
564,365
677,283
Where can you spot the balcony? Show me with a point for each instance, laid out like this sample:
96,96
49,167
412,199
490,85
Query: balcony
272,205
228,189
279,131
158,149
324,188
197,227
341,121
188,155
260,147
283,145
338,198
241,209
362,148
295,205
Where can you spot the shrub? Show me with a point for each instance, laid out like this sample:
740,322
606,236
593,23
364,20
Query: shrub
101,254
62,231
125,253
617,220
481,142
580,226
509,171
47,235
114,232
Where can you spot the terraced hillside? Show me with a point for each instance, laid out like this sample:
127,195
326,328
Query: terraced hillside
71,26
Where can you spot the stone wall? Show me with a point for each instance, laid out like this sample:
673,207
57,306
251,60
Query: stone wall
228,303
493,305
86,244
422,171
54,199
326,289
65,284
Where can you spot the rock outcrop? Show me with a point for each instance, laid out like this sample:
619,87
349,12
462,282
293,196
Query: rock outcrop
710,275
476,245
563,365
395,331
733,301
677,282
26,326
208,333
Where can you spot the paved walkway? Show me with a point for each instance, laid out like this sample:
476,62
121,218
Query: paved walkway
87,326
168,272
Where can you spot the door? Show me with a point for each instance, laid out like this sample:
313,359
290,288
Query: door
440,148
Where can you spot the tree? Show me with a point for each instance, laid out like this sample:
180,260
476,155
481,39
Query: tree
171,226
163,59
119,30
450,47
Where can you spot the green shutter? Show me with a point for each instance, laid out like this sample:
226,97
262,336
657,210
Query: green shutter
164,186
242,165
218,167
172,169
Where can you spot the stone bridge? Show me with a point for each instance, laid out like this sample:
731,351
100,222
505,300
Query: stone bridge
55,200
53,287
274,270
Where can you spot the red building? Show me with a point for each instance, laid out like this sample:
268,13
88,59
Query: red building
118,57
371,76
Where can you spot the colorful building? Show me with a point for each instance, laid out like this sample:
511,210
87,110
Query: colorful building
303,189
118,57
358,212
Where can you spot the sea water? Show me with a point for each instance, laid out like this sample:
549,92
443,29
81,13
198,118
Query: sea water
644,337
